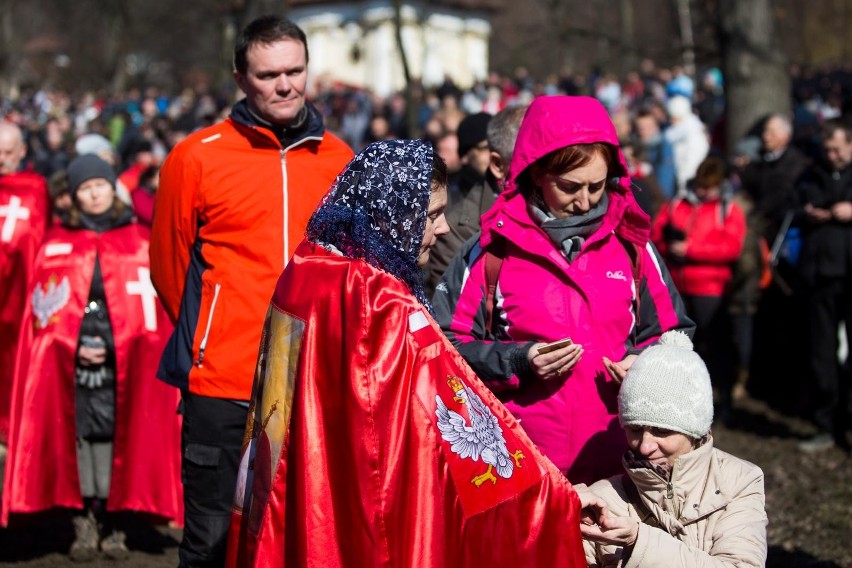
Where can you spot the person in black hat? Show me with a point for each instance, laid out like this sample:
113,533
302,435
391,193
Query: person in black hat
485,146
91,182
473,144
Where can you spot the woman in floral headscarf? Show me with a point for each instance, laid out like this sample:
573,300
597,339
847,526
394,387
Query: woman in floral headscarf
370,441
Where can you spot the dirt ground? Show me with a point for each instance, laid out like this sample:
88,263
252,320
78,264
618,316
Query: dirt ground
808,500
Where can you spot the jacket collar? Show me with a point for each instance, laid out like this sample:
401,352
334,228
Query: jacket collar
509,218
310,127
692,494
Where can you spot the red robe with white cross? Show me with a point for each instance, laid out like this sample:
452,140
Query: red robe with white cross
41,467
24,216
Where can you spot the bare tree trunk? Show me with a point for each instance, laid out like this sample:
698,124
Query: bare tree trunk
410,103
8,63
628,34
115,46
229,38
756,79
686,36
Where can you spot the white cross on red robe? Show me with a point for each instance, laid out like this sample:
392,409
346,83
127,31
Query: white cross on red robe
145,290
12,213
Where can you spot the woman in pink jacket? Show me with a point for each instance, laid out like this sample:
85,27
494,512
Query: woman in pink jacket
563,254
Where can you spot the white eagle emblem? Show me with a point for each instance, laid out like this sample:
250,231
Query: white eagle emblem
48,301
483,438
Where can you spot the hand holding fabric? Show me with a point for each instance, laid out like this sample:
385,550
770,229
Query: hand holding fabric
594,508
618,531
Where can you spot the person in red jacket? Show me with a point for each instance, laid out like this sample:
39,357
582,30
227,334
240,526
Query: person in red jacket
91,429
145,194
701,235
231,207
24,217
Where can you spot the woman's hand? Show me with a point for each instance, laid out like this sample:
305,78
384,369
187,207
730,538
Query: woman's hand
678,249
618,371
842,211
551,365
618,531
817,214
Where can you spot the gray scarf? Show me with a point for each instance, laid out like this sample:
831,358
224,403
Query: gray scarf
569,233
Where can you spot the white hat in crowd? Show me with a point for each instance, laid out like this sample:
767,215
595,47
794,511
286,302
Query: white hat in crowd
679,107
92,143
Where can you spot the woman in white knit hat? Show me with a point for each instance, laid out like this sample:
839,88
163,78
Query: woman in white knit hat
680,502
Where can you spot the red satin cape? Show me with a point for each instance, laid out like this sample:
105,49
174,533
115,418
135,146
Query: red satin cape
344,463
41,468
26,212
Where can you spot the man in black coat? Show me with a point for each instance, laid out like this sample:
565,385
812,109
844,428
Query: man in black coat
766,320
770,181
826,265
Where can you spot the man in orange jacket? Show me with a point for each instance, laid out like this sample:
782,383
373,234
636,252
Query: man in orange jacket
233,203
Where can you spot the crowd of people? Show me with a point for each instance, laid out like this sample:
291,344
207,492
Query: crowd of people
483,332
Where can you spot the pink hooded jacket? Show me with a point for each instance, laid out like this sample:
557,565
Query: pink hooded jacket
541,297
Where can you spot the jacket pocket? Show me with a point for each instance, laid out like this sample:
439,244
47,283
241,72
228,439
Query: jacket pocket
200,474
202,455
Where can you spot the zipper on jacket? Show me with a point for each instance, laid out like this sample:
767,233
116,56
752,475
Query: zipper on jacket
669,490
204,339
286,223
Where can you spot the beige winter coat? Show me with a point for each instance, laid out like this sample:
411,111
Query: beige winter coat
710,514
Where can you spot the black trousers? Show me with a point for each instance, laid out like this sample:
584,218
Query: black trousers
211,441
714,341
830,303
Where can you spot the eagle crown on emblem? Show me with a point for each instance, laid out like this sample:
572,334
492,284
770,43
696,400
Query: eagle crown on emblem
457,387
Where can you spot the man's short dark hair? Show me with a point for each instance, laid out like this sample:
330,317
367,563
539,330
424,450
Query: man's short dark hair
829,127
265,30
439,171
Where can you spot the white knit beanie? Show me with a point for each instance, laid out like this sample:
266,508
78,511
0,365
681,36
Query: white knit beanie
668,387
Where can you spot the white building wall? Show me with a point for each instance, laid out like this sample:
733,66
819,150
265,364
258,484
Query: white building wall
437,43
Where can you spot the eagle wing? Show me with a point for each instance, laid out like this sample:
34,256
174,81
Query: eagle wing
38,306
46,303
490,432
463,439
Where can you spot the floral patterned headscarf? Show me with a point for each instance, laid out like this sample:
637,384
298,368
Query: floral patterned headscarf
376,209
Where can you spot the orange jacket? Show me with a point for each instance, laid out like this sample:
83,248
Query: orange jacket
231,208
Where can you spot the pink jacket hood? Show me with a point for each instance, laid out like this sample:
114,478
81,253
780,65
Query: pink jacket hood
554,122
